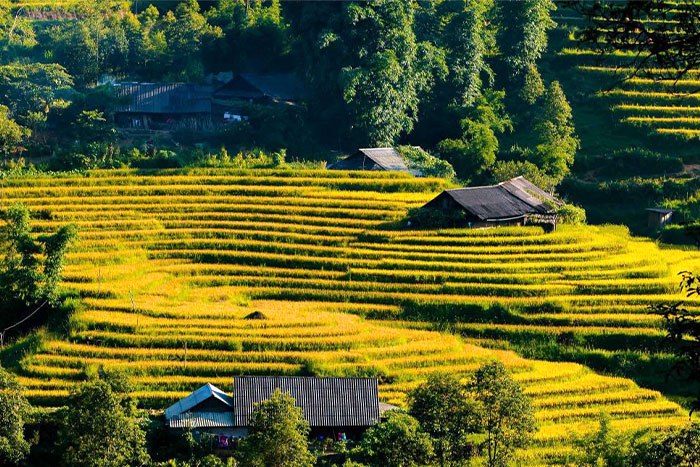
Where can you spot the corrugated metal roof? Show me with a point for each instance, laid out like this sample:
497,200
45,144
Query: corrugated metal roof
165,98
197,397
202,420
660,210
388,158
326,402
508,200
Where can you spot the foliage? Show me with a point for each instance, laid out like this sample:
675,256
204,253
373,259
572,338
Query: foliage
523,40
396,442
603,447
506,170
14,410
445,411
476,151
382,83
11,133
429,165
507,414
24,278
558,144
100,427
677,448
683,332
32,87
277,435
571,214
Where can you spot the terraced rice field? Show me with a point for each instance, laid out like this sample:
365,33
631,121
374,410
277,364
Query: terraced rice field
323,256
657,102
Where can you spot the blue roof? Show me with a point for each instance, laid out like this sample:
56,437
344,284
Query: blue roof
197,397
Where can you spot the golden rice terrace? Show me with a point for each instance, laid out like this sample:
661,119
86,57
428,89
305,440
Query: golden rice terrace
321,255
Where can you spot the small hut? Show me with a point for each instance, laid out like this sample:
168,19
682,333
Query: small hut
658,217
207,410
374,159
513,202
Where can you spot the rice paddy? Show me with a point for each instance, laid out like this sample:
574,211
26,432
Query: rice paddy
325,258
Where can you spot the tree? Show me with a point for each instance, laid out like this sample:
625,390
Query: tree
447,413
555,128
388,70
603,447
661,37
507,413
476,151
100,427
277,435
466,41
11,133
683,334
679,447
523,40
396,442
14,410
30,87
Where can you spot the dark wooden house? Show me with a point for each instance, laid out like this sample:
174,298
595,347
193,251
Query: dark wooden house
230,102
658,217
164,105
514,202
334,407
374,159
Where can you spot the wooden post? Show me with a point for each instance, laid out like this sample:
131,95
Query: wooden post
133,308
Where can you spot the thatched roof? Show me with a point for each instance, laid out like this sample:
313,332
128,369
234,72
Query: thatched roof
326,402
255,315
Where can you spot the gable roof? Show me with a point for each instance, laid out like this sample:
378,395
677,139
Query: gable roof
207,391
283,87
388,158
511,199
165,98
326,402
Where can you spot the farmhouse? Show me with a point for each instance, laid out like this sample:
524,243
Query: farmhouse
514,202
334,407
163,105
374,159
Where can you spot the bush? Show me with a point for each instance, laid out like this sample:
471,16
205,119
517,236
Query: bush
429,165
571,214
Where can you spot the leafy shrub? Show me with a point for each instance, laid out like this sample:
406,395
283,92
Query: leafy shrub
571,214
429,165
631,161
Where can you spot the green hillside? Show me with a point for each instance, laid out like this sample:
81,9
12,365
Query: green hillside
346,289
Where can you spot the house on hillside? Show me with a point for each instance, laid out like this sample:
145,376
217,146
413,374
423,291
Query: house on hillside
229,101
208,409
374,159
164,105
513,202
341,408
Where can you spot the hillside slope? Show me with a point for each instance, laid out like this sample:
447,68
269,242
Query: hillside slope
320,255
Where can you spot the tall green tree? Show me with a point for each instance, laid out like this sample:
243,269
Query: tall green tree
101,428
558,142
523,39
277,434
387,71
507,413
14,411
30,268
445,410
396,442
